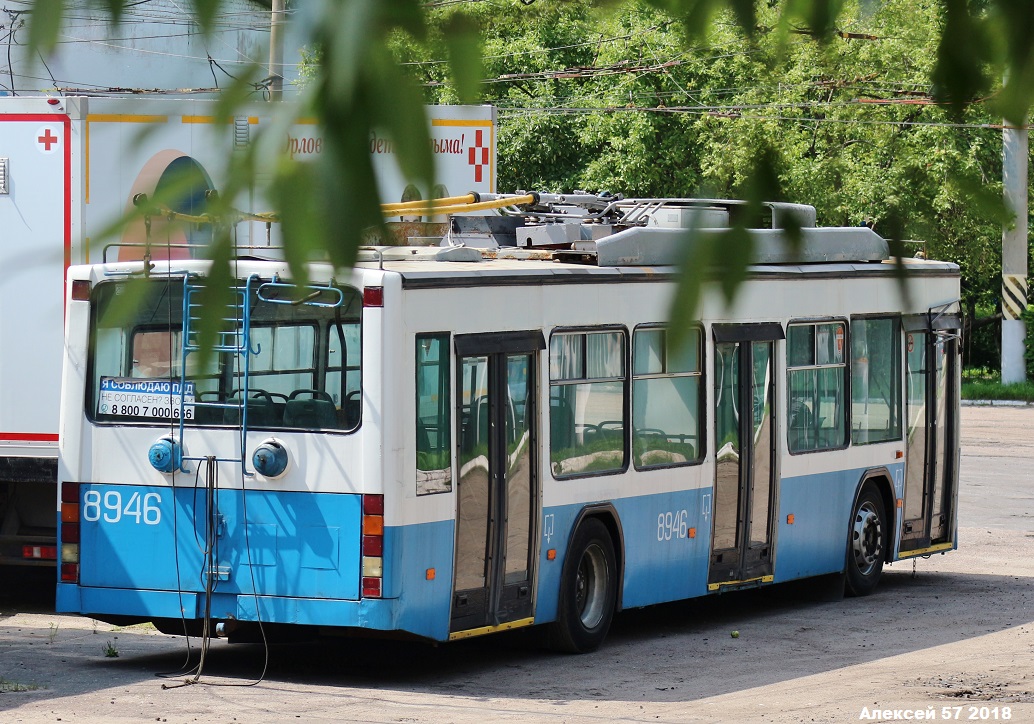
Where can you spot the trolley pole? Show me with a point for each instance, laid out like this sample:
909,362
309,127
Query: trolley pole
1014,253
276,51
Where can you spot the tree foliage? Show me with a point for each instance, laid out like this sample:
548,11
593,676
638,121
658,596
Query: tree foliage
621,99
872,110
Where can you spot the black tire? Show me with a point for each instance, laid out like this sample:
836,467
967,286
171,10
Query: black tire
867,541
588,591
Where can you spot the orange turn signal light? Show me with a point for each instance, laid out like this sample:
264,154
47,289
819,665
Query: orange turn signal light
373,525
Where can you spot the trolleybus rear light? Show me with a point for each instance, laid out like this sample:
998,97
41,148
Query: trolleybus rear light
373,296
69,572
373,525
371,587
80,290
373,505
70,533
373,567
70,493
372,546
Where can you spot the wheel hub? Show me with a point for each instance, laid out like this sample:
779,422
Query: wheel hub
866,538
590,586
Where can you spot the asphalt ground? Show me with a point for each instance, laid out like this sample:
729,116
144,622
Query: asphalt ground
950,638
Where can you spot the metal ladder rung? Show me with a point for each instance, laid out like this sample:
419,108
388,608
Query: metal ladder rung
234,314
236,340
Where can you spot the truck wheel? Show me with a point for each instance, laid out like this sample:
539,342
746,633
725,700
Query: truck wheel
588,591
865,546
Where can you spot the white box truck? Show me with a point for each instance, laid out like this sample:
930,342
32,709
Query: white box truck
69,167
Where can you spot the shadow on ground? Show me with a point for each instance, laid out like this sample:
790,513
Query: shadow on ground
674,652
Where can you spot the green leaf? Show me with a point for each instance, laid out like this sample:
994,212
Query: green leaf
407,15
300,221
463,44
695,14
206,11
959,77
348,29
701,249
114,9
401,113
130,296
1013,22
893,231
744,11
215,295
44,25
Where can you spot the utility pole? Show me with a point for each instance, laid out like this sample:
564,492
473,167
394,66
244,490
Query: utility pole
1014,253
276,51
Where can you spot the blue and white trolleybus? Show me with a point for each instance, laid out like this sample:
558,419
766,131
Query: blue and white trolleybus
501,430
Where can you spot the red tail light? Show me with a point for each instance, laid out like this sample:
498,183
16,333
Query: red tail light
69,572
373,296
371,587
69,533
373,546
80,290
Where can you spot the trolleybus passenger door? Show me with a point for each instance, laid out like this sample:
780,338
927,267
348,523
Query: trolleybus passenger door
497,490
931,451
745,453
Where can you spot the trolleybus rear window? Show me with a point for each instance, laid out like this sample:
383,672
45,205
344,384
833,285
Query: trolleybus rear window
303,361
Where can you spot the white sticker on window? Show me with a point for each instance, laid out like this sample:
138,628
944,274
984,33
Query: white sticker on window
157,399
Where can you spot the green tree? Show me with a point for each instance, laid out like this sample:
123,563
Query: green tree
661,97
617,99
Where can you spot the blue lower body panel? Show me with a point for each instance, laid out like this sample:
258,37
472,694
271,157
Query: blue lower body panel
666,542
295,558
278,557
666,538
378,614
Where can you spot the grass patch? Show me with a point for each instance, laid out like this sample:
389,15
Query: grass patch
984,384
8,687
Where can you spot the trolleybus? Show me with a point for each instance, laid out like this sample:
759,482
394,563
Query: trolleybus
503,430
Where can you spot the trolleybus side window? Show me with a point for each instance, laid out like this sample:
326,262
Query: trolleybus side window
875,380
816,381
667,399
433,415
294,362
587,402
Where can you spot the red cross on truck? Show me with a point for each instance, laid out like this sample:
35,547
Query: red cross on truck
47,139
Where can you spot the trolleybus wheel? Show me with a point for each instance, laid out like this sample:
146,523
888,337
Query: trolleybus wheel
865,546
588,591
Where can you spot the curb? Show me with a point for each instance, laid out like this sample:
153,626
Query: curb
996,403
